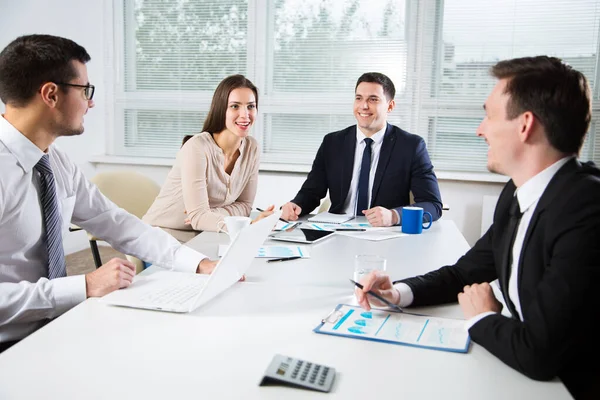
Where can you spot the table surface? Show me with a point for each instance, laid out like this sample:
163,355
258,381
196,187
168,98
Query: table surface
222,349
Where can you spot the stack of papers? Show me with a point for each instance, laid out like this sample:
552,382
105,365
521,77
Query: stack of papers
374,234
329,218
333,227
274,251
282,226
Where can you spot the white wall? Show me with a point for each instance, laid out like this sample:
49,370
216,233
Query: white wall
83,21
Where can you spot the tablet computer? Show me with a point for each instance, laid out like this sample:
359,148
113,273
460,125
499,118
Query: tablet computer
301,235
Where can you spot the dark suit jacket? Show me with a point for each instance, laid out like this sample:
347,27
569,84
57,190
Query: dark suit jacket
404,165
559,269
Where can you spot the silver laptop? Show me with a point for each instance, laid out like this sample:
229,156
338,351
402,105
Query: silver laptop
183,292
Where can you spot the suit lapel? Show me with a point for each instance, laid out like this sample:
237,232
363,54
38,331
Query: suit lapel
554,188
348,150
389,140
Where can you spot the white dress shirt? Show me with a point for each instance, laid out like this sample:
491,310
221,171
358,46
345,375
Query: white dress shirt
352,198
27,298
528,196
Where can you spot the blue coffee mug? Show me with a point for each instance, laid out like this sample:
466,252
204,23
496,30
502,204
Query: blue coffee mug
412,220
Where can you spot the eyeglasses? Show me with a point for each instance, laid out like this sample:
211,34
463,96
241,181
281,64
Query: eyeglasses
88,92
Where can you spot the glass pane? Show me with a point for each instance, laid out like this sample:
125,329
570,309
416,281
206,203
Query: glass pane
295,138
475,38
155,133
184,45
455,146
323,46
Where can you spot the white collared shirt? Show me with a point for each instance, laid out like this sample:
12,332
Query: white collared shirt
528,196
27,298
352,197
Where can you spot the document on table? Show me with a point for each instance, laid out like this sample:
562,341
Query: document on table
375,234
274,251
282,226
397,328
333,227
330,218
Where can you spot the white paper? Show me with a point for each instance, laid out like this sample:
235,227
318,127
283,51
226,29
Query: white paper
374,234
327,217
275,251
417,330
333,227
282,226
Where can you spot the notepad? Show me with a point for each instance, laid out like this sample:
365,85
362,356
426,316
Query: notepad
329,218
407,329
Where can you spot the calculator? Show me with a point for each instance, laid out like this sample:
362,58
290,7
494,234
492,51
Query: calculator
294,372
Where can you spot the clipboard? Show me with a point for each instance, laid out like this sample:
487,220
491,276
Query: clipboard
408,329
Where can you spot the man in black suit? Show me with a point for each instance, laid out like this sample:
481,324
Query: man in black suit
543,243
370,170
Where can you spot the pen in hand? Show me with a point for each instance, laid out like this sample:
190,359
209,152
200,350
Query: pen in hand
283,259
380,298
281,219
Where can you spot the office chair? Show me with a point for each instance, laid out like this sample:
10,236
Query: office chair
129,190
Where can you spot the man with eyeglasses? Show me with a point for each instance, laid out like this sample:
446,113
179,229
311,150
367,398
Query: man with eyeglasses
44,85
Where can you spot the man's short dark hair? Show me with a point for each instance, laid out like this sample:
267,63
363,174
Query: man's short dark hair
376,77
556,94
30,61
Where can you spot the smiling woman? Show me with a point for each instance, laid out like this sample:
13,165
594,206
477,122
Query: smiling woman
215,172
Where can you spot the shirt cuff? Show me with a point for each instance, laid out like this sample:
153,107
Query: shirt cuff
473,320
406,294
187,259
68,292
398,215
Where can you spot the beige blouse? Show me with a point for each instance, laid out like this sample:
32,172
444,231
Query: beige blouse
198,184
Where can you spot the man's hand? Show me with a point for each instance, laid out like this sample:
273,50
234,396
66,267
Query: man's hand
380,216
206,266
264,214
477,299
379,283
115,274
290,211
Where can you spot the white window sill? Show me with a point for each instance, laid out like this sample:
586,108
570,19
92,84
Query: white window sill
294,168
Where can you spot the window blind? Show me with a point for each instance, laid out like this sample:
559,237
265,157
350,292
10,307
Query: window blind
305,57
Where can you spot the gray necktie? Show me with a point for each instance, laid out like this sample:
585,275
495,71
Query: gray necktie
52,220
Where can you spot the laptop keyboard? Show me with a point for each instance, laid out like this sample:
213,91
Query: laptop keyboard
176,294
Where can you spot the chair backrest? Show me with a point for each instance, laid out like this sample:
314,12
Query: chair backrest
130,190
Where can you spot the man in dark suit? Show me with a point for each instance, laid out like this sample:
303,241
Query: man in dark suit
370,168
543,243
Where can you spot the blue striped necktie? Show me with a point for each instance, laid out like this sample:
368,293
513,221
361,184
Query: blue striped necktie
363,179
52,220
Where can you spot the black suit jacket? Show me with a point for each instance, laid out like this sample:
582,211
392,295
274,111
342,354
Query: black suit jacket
559,267
404,166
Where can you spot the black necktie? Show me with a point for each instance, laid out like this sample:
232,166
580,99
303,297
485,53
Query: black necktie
509,240
363,179
52,220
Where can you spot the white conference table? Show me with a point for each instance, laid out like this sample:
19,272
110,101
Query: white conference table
331,261
221,350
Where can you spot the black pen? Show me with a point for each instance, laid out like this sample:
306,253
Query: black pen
281,219
284,259
372,293
350,229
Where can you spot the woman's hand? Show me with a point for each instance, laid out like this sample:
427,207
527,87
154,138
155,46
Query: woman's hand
268,211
